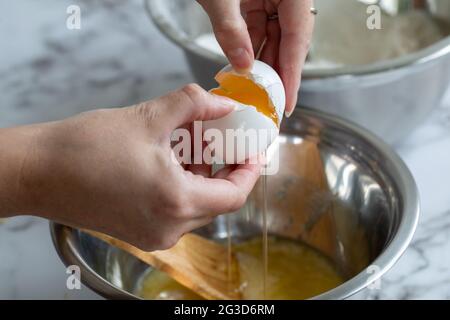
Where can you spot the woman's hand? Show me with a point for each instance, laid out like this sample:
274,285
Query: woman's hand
242,26
113,171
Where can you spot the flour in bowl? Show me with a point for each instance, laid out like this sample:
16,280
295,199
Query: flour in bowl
341,36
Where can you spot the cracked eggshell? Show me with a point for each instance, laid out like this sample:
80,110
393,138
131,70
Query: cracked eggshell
247,117
232,149
267,78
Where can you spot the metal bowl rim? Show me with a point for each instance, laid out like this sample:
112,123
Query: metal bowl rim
384,261
56,232
411,211
426,55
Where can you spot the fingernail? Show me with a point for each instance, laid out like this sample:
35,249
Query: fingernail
289,113
240,59
226,102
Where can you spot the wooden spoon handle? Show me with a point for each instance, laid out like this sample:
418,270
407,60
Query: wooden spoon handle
195,262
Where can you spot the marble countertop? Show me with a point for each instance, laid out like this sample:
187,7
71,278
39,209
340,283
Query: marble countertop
119,58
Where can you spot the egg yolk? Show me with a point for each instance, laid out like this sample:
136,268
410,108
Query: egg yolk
295,271
245,91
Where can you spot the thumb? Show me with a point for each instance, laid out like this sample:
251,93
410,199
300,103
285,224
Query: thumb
231,32
192,103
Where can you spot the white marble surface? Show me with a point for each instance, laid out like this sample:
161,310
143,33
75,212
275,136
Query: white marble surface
119,58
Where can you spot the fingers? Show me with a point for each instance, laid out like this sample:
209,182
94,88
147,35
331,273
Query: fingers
203,170
231,31
189,104
196,224
227,191
271,48
256,26
296,23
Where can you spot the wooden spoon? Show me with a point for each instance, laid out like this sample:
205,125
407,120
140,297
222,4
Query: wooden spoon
198,264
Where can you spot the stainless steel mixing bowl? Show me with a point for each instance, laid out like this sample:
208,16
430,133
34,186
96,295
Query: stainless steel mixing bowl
363,221
390,97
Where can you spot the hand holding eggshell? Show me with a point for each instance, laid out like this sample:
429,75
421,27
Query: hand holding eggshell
254,125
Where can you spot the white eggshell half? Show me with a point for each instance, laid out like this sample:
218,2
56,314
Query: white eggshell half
267,78
239,145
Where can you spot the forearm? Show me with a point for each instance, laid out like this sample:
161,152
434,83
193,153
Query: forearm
111,170
17,148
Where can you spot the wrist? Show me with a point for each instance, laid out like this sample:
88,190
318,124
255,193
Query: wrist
19,156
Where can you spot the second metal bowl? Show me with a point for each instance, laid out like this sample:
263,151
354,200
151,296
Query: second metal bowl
390,97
